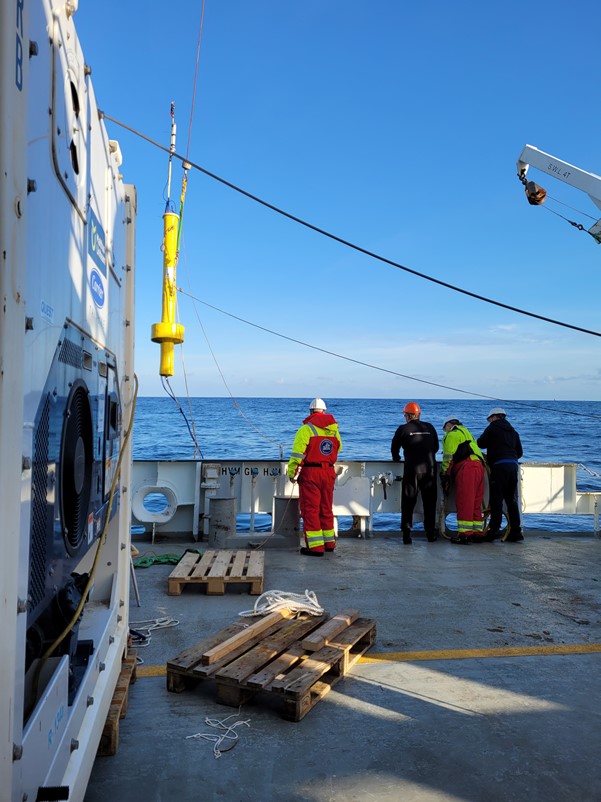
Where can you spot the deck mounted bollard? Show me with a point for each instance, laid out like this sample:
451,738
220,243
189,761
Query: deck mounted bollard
286,517
222,520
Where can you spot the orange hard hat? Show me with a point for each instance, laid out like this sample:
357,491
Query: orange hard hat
412,408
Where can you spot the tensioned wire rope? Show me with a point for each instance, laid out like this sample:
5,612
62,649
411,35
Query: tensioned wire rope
223,379
191,165
195,299
189,419
164,379
385,370
347,243
168,388
545,195
567,205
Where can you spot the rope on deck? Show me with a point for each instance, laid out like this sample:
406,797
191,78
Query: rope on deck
273,600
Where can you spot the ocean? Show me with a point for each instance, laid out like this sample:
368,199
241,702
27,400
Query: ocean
264,428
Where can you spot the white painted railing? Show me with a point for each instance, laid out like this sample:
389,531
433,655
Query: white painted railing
176,496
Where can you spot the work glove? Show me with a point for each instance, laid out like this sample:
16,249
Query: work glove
445,481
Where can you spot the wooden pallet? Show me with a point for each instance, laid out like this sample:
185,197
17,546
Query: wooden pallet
295,659
215,569
109,740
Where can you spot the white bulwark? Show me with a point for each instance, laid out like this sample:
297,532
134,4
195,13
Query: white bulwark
175,496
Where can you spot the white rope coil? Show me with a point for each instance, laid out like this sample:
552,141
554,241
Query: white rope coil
273,600
142,629
229,733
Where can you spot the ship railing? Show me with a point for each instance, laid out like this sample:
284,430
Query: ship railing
194,496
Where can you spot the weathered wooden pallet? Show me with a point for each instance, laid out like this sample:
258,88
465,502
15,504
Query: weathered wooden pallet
109,740
216,568
296,660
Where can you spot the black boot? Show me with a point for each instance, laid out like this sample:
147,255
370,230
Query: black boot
311,552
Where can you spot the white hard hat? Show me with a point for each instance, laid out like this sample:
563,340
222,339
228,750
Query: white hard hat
450,418
496,411
318,405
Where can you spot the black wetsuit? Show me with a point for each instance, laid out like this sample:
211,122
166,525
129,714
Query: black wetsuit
503,450
419,442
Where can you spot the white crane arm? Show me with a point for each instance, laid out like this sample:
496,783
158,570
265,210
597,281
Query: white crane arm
568,173
587,182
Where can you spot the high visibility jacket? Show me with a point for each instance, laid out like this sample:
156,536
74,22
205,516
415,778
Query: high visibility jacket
317,442
452,441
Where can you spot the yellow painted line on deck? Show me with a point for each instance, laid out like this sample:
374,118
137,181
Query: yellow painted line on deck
151,671
464,654
442,654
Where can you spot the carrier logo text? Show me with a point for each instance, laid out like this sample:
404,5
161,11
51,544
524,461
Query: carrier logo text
97,288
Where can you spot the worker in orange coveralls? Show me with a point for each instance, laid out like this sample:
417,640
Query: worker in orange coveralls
314,452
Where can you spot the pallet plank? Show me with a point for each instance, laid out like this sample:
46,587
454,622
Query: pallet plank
219,651
179,668
359,638
109,740
322,636
341,655
355,642
296,709
185,670
239,563
356,633
203,564
300,679
185,565
256,560
215,586
203,671
221,564
193,655
266,650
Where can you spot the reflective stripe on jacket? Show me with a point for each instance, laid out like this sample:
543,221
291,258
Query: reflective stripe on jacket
321,448
314,443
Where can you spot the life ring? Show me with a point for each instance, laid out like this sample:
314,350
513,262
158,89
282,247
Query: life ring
165,508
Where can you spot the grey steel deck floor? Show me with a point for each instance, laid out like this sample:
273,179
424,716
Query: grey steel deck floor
525,727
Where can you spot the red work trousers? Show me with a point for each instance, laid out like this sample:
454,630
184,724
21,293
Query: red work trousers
316,495
469,494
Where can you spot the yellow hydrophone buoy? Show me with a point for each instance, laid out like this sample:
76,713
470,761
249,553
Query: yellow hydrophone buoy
168,333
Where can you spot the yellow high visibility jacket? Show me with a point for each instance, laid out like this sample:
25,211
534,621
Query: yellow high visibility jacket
451,442
309,428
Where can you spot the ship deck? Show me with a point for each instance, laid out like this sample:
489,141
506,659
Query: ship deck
482,683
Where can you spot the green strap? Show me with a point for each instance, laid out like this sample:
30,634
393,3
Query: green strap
161,559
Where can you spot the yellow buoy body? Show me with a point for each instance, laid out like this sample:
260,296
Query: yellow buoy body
168,333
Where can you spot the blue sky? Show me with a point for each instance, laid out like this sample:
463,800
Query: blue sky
395,126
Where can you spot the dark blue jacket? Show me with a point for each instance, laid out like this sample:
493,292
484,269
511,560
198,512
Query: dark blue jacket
501,442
